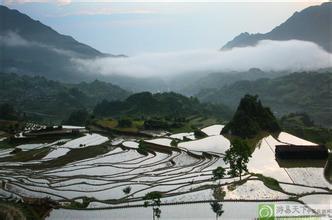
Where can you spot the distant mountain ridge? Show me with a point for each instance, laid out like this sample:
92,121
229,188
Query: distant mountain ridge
308,92
35,31
312,24
30,47
193,86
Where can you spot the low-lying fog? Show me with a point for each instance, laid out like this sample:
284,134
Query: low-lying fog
292,55
268,55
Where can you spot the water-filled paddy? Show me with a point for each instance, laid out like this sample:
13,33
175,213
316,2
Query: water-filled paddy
182,175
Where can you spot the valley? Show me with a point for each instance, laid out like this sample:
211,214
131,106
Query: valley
150,119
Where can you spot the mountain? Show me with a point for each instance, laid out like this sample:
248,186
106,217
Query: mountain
136,84
30,47
250,118
308,92
192,85
34,31
311,24
170,104
48,100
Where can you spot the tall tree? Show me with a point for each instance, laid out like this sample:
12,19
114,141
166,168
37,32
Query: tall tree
237,157
218,173
153,199
217,209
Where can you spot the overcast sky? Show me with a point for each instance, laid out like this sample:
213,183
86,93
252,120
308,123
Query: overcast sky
136,27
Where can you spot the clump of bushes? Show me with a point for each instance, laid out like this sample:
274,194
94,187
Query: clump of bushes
269,182
143,148
125,123
199,134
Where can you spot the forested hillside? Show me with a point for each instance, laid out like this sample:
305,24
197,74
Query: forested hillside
49,100
308,92
171,104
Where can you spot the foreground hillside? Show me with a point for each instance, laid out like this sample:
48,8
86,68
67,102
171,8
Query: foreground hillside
298,92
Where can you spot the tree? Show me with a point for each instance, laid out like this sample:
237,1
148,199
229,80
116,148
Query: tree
237,157
8,112
217,208
153,198
78,117
218,173
126,190
125,123
174,143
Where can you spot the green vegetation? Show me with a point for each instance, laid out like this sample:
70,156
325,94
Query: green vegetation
79,117
10,118
127,124
217,209
218,173
143,148
251,118
174,143
50,101
269,182
301,125
237,157
199,134
153,199
296,120
147,105
126,190
7,112
308,92
20,211
135,116
74,155
5,144
77,205
219,193
165,123
23,156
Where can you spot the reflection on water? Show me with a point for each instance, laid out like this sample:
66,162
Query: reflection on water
326,164
328,169
307,172
301,163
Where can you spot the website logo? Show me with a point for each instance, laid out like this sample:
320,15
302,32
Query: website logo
266,211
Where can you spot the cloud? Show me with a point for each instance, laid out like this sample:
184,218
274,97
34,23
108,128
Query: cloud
58,2
168,1
268,55
91,10
12,39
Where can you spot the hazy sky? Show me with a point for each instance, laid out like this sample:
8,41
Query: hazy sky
136,27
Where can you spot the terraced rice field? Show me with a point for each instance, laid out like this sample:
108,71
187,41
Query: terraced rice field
182,174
